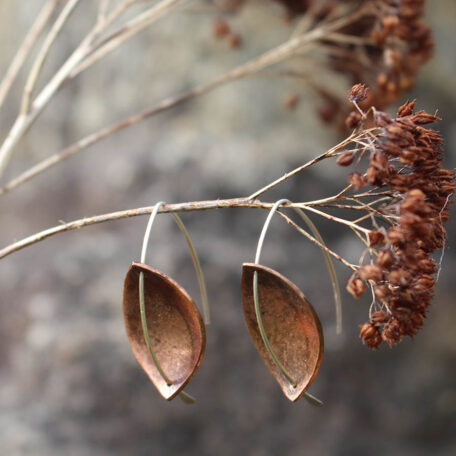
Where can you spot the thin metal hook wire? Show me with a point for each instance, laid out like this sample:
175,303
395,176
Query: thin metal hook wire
255,295
184,396
309,397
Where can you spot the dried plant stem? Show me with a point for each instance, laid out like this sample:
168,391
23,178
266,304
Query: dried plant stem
32,36
133,27
93,138
165,208
297,170
331,269
271,57
44,52
26,119
311,238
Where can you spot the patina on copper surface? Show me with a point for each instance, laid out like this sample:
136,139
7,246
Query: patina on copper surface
291,324
176,330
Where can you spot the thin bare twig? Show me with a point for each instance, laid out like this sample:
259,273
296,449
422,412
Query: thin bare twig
24,121
130,29
312,239
44,52
272,57
353,136
30,40
165,208
250,68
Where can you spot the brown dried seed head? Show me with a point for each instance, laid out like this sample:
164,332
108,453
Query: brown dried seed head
395,236
234,41
417,193
406,109
382,292
374,176
353,120
427,266
357,180
371,272
400,277
367,330
220,28
402,313
345,158
371,335
385,258
423,118
358,93
375,237
391,332
380,318
390,22
378,159
355,286
291,101
417,319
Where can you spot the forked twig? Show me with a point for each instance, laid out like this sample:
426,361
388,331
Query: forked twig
30,40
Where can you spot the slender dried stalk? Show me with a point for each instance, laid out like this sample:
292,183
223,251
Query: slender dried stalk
44,52
165,208
272,57
32,36
27,118
132,28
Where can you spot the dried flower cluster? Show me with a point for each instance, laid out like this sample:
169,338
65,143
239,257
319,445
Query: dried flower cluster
383,49
404,167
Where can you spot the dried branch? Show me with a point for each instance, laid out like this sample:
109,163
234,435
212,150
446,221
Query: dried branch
251,68
25,120
30,40
166,208
132,28
44,52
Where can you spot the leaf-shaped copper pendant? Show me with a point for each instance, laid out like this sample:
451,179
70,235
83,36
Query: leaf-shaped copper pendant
291,325
176,330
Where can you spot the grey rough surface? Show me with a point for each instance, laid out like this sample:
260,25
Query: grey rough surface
68,381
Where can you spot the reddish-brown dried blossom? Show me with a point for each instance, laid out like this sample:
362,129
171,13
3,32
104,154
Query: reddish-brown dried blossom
353,120
371,335
346,158
355,286
220,28
398,43
357,180
420,191
358,93
371,272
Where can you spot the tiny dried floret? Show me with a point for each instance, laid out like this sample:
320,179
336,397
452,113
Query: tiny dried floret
355,286
345,158
358,93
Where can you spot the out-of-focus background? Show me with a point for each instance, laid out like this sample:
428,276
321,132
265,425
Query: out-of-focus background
68,381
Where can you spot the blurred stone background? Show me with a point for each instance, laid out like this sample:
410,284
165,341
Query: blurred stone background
68,381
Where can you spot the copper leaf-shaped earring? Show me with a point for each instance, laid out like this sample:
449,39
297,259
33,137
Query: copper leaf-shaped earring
283,325
163,324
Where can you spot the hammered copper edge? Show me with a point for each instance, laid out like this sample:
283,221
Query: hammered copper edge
176,329
291,324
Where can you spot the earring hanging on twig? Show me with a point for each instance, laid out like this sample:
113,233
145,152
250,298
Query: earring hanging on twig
163,324
283,325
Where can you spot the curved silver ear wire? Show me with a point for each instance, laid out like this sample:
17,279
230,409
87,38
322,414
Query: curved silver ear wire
255,294
196,263
310,398
184,396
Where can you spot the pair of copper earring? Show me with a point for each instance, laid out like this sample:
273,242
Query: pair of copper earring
168,337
